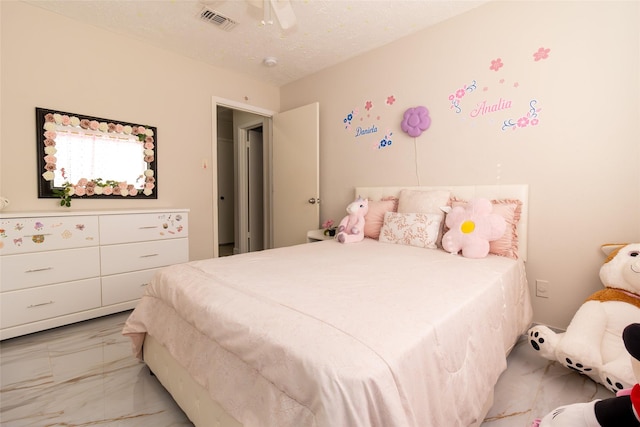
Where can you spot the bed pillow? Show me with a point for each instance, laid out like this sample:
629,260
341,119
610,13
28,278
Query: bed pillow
425,201
414,229
374,218
510,210
429,201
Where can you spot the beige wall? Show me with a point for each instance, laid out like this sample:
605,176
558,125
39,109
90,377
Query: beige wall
582,159
53,62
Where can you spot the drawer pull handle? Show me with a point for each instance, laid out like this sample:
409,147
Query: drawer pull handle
39,305
148,256
147,226
144,284
35,270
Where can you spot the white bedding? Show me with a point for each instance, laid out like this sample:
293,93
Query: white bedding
326,334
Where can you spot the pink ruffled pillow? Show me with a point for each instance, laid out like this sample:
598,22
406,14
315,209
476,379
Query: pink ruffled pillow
471,228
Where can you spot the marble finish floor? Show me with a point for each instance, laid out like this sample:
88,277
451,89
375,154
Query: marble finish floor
85,375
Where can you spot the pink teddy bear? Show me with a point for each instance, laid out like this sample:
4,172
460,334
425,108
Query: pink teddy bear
351,228
471,228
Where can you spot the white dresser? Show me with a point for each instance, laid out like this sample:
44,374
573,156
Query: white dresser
60,268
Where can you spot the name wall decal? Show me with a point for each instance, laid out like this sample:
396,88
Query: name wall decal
368,132
461,97
365,131
483,107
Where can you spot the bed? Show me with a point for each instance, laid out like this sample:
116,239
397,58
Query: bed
329,334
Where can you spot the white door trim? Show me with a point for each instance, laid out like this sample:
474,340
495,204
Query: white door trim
243,194
242,107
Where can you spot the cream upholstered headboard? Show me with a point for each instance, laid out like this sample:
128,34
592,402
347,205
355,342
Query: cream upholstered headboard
467,192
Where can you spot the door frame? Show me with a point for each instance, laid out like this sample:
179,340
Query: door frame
243,180
268,114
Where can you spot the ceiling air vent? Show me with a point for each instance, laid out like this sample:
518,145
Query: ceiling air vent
217,19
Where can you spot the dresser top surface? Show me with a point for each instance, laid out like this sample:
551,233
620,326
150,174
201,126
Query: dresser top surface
40,214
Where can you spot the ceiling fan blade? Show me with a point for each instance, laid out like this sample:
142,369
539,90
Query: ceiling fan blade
284,12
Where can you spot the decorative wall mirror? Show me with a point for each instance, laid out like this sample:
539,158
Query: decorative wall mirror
90,157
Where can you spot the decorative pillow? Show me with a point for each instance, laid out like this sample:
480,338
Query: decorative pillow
374,219
414,229
430,201
426,201
471,228
510,210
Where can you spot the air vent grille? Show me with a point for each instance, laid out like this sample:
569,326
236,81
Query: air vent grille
217,19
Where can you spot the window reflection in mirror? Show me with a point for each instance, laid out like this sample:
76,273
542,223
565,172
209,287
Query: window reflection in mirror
95,157
90,154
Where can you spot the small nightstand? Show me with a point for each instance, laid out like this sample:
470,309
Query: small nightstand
317,236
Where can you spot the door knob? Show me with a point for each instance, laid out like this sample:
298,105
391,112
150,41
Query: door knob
313,201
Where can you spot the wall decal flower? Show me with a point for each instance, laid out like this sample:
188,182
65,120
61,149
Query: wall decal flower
542,53
458,94
531,118
415,121
496,64
349,117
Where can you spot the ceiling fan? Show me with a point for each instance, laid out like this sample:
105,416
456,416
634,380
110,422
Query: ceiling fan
280,8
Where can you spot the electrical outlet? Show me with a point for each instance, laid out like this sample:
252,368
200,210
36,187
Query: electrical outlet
542,288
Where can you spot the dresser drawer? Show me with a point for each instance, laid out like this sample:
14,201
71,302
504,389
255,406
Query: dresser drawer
126,286
141,256
43,268
31,305
127,228
22,235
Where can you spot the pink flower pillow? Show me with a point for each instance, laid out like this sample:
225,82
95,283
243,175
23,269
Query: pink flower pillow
471,228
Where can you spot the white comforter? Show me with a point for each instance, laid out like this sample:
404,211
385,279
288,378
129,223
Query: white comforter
326,334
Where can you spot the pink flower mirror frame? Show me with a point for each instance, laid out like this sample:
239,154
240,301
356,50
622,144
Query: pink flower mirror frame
56,179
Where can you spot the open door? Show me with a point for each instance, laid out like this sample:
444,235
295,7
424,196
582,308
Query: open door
256,193
291,150
296,188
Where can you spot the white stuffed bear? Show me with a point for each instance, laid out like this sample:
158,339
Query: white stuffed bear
620,411
592,344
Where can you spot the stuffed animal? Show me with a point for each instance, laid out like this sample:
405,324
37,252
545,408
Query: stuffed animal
351,228
620,411
471,228
592,344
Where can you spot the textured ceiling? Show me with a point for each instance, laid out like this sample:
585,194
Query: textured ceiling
326,31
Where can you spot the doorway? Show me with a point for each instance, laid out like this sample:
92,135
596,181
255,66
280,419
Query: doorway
290,151
241,167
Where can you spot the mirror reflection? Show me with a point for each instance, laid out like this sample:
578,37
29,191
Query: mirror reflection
83,156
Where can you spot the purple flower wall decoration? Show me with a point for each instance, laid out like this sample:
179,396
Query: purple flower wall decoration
415,121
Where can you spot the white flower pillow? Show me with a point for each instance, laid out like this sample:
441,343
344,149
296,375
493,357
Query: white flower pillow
414,229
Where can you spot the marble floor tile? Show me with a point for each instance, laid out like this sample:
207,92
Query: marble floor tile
531,387
81,375
84,374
